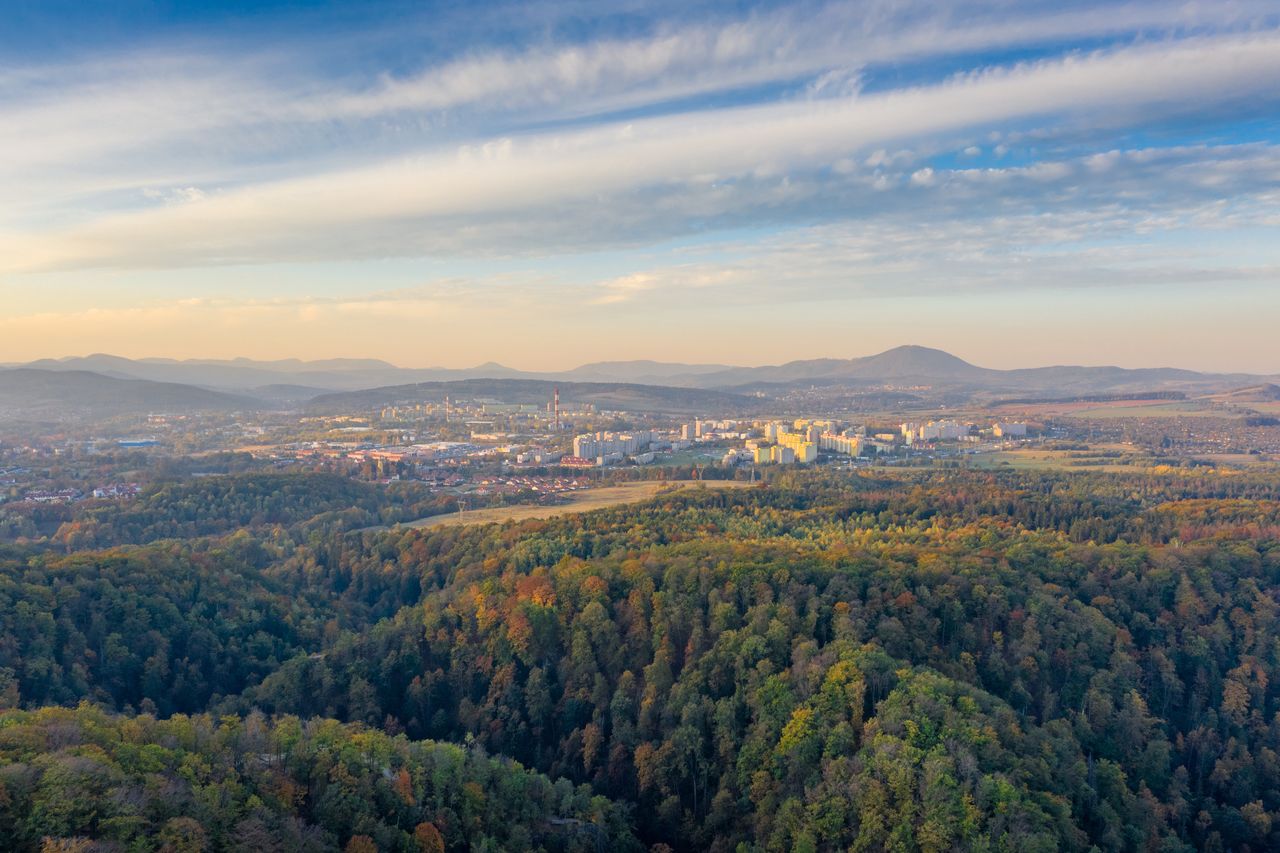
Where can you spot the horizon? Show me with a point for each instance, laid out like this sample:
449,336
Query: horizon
555,183
1260,373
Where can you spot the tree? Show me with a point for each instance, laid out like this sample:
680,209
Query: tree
428,838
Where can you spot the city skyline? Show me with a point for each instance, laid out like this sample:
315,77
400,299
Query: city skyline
551,184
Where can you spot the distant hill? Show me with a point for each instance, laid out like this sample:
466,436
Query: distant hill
901,364
911,361
604,395
286,395
26,393
916,365
243,375
295,365
236,374
641,371
1265,393
289,381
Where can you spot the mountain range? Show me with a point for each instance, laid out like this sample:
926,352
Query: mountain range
915,364
212,384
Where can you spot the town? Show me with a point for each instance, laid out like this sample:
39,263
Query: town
480,450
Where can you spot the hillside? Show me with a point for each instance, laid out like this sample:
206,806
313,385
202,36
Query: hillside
643,371
240,374
1265,393
604,395
900,364
26,393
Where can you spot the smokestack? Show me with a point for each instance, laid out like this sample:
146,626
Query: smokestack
555,402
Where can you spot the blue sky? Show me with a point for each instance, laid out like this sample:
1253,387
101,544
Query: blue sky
545,184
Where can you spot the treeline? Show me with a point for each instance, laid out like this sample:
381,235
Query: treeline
207,506
82,780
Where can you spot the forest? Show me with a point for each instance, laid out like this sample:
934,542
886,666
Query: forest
923,660
207,506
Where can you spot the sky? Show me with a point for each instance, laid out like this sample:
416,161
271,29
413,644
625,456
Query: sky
544,184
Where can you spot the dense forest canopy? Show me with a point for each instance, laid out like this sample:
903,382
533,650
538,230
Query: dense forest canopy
919,660
211,505
197,783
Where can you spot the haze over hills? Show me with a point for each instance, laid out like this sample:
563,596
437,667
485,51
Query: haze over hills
910,363
239,374
27,393
672,386
608,395
662,372
903,363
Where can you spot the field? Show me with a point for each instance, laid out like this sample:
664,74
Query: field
1057,460
1117,409
583,501
1154,409
1102,458
1234,460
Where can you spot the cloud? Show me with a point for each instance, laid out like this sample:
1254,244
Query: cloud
450,198
677,282
923,177
154,117
901,258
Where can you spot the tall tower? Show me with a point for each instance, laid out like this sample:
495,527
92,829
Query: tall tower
447,408
555,405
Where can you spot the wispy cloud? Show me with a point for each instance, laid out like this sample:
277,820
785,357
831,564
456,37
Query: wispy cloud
1089,253
441,199
107,123
599,160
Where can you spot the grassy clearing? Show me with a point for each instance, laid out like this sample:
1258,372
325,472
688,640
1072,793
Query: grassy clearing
1113,409
1174,409
1234,460
583,501
1054,460
1078,460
